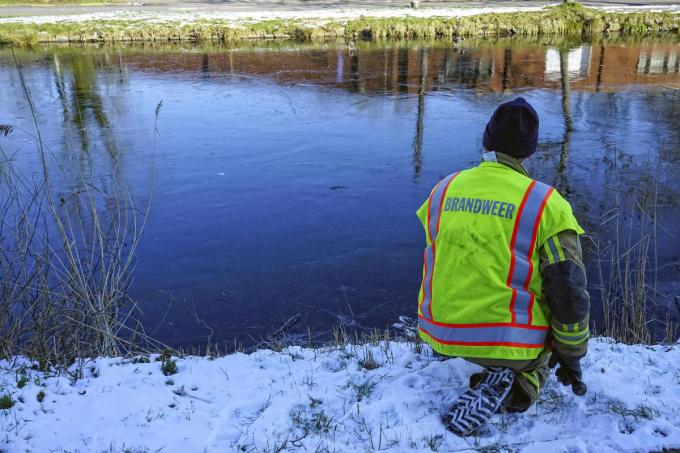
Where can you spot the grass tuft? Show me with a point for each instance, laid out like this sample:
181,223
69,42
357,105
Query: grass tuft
169,367
368,361
318,422
640,412
22,380
433,441
6,401
362,390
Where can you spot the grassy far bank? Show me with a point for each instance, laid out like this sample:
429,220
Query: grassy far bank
26,54
564,19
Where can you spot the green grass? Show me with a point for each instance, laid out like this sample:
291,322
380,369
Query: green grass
368,360
169,367
362,389
22,380
6,402
570,19
564,19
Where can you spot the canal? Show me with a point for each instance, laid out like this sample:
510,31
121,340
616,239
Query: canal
285,177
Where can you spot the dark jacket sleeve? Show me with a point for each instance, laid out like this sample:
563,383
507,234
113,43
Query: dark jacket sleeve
564,291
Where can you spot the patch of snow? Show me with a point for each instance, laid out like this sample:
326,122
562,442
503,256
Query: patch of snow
189,15
192,15
346,399
673,8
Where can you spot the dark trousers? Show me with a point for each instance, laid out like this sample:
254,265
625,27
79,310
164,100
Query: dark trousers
530,376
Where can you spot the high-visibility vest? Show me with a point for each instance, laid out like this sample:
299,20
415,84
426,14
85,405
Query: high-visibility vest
481,290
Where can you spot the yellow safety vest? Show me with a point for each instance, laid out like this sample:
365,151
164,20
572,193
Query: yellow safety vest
481,283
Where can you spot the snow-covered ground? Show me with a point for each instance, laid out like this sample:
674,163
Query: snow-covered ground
385,397
190,15
193,15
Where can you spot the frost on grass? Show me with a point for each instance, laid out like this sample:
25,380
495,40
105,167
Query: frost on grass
385,396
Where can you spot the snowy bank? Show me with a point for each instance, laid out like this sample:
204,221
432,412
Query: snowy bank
190,15
188,25
185,15
353,398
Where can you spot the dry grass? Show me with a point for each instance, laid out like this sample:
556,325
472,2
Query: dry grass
66,260
628,271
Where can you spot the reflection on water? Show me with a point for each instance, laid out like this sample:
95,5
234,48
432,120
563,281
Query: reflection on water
288,176
572,63
658,61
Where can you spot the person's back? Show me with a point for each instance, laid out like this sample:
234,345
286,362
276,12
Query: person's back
500,248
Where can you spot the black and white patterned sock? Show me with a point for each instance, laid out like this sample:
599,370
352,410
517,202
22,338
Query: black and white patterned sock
476,406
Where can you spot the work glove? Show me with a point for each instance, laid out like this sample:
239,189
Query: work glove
569,372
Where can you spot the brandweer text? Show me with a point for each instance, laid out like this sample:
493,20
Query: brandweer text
478,206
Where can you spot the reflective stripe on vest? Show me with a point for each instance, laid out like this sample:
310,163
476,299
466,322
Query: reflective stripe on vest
522,248
485,334
434,212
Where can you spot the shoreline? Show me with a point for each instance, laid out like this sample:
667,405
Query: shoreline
183,25
375,396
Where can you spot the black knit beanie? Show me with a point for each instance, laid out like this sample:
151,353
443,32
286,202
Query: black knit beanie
513,129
